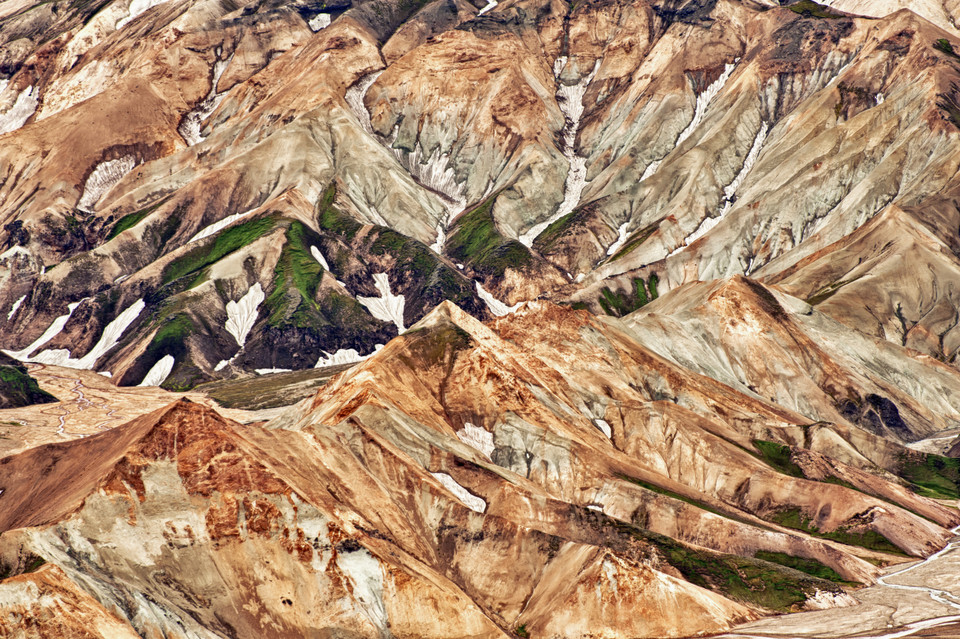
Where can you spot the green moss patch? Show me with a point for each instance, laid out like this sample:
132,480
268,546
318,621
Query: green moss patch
634,241
18,388
131,220
619,303
809,566
332,219
753,581
932,476
797,520
225,242
777,456
295,280
476,242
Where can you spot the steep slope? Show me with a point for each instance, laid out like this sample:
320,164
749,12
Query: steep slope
180,155
544,473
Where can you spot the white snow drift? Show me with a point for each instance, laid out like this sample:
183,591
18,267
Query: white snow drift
52,331
18,114
159,372
495,306
570,101
242,314
110,337
103,178
703,101
16,305
216,227
469,500
388,307
478,438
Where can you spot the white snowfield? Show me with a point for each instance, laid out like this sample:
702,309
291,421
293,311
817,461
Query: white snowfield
388,307
345,356
366,576
111,336
318,256
137,7
490,5
355,95
52,331
192,123
621,240
18,114
159,372
495,306
605,427
15,307
468,499
102,179
270,371
218,226
319,21
570,101
477,437
729,191
242,315
703,101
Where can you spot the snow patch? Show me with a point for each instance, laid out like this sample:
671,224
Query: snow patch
700,111
192,123
137,7
388,307
242,315
159,372
103,178
570,101
345,356
17,115
268,371
318,256
110,337
106,374
490,5
14,251
469,500
319,21
605,427
435,173
879,99
52,331
223,363
729,191
437,246
364,572
621,239
495,306
216,227
477,437
15,307
355,95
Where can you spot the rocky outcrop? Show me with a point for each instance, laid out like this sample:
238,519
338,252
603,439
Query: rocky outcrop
17,387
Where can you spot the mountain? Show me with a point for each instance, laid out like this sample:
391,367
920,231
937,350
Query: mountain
542,474
17,387
635,318
191,190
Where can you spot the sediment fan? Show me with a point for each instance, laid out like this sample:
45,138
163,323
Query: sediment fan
633,318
